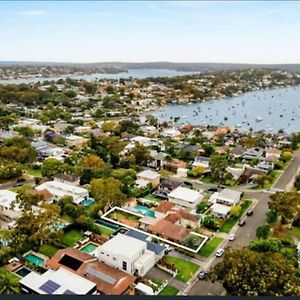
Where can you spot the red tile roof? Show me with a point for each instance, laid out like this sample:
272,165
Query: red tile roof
123,281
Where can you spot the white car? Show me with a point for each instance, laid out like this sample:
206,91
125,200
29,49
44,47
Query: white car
220,252
231,237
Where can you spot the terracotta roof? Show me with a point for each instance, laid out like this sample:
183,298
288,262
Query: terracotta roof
169,230
122,280
164,206
173,217
188,216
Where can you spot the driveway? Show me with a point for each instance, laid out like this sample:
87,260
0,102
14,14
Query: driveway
156,273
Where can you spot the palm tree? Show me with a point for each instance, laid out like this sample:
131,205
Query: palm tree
8,285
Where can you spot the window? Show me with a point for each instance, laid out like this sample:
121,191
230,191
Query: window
124,265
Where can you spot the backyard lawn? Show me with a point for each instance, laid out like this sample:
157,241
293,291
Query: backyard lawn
151,198
186,269
104,230
71,237
169,290
48,250
210,246
33,172
229,223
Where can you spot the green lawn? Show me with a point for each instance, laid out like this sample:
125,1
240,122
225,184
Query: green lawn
48,250
210,246
104,230
206,180
296,231
71,237
169,290
11,275
33,172
186,269
229,223
151,198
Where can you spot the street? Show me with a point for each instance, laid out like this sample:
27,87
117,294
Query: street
247,233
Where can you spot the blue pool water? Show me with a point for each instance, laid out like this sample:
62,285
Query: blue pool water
145,211
88,202
34,259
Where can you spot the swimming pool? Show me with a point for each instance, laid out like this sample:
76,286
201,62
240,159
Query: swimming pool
87,202
145,211
34,259
23,271
89,248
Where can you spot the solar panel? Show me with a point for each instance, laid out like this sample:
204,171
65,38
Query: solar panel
101,276
49,287
68,292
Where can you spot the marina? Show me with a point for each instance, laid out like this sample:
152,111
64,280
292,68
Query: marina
270,110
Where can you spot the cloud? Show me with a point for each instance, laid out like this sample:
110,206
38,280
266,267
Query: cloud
29,13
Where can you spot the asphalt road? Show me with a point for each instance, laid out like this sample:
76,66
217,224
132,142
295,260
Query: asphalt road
244,235
287,178
247,233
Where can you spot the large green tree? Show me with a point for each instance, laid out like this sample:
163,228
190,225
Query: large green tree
107,193
244,272
286,205
218,165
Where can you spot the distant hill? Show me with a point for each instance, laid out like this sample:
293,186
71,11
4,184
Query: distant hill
160,65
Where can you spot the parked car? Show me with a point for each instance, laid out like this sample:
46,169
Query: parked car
202,275
20,182
249,213
220,252
231,237
242,223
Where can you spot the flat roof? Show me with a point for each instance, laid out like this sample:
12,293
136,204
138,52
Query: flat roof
149,174
185,194
220,209
231,195
123,245
6,198
61,281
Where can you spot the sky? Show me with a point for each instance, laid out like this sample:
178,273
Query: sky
143,31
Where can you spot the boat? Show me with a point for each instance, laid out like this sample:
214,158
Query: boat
258,119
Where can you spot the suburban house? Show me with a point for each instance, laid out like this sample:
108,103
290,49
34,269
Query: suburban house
185,197
146,177
168,211
6,199
237,151
253,154
151,130
66,178
201,161
128,254
272,155
157,159
171,133
250,173
223,202
170,231
166,187
157,248
59,189
75,141
58,282
108,280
